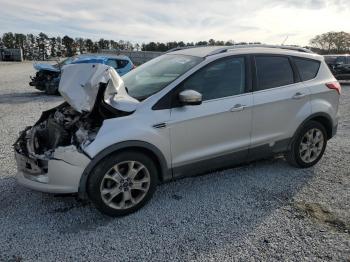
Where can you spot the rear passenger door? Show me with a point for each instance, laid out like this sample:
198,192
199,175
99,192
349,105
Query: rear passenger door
280,102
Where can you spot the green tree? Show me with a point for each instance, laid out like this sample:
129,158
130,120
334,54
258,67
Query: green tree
8,40
53,46
89,45
69,44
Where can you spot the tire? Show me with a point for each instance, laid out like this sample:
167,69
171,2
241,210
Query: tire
305,151
122,183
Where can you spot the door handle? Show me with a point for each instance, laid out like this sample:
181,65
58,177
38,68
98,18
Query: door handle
298,95
237,107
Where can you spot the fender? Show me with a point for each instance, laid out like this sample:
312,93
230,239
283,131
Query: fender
166,172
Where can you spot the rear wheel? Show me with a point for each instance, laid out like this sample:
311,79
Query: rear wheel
122,183
308,146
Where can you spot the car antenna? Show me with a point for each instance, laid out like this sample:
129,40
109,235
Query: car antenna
285,40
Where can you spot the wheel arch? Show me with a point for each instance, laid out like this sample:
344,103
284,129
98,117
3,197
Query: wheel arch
322,118
164,172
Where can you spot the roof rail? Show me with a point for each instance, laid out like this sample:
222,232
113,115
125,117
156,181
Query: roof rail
184,47
227,48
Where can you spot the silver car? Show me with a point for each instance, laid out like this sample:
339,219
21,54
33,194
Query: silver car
186,112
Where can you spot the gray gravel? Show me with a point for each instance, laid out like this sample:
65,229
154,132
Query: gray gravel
263,211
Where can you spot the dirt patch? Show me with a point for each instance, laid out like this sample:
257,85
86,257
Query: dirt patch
322,215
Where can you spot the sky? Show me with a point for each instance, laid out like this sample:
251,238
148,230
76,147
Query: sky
266,21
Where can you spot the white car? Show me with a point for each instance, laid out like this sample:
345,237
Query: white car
186,112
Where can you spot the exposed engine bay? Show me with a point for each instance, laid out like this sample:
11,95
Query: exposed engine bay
93,94
45,80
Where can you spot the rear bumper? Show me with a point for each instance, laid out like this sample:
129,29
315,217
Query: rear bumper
63,171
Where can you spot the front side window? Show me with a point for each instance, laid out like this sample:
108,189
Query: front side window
222,78
153,76
307,68
273,71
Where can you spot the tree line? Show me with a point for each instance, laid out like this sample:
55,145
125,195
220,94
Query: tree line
42,46
331,43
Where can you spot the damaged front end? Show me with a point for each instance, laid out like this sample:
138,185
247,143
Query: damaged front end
50,155
47,78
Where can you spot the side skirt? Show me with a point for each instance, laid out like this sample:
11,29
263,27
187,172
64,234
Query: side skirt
231,159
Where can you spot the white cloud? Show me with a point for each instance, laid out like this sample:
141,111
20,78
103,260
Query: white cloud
268,21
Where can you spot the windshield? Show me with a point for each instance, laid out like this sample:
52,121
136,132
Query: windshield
156,74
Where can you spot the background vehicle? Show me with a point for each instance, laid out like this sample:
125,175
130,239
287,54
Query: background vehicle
183,113
339,65
122,64
48,76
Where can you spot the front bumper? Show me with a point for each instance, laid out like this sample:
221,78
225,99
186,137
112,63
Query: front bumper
63,173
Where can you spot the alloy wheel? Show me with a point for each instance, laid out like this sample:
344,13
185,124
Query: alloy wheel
311,145
125,185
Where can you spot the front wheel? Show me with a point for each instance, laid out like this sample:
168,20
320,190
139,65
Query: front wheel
122,183
308,146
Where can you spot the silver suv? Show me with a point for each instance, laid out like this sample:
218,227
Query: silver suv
186,112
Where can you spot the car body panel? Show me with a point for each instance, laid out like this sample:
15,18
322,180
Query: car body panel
63,175
268,123
187,140
103,59
135,127
46,67
211,129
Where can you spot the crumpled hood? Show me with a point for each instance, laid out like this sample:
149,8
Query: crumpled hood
80,83
46,67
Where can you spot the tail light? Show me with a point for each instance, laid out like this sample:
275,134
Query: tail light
334,85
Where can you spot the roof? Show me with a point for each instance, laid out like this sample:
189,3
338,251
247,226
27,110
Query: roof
101,56
204,51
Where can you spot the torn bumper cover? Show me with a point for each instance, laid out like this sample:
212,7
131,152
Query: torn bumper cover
50,154
60,174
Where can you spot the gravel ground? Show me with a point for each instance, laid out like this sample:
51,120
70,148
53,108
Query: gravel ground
263,211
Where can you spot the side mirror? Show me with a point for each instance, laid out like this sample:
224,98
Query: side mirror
190,97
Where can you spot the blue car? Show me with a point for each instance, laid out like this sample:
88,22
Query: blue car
122,64
48,76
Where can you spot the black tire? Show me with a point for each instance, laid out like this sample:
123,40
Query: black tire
294,156
98,173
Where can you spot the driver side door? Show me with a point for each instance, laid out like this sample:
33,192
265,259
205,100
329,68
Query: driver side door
216,133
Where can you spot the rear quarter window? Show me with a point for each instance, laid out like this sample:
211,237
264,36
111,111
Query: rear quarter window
307,68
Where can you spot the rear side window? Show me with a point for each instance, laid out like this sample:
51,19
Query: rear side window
122,63
307,68
273,71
